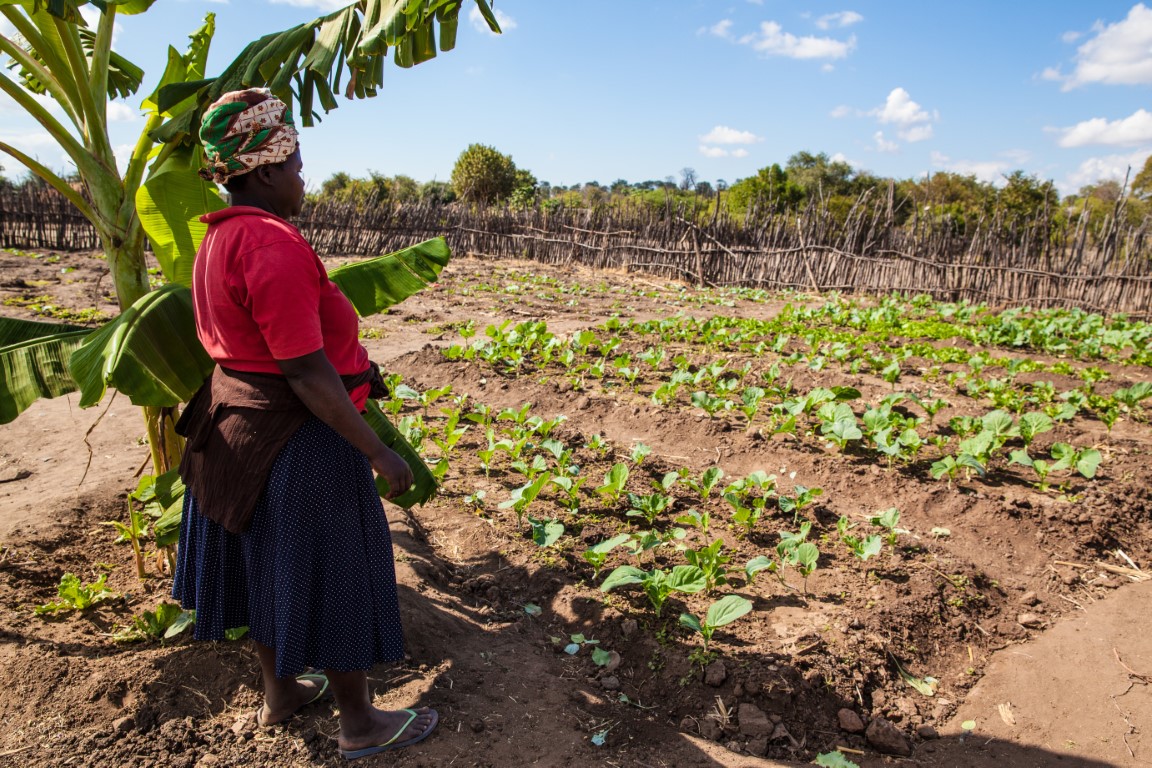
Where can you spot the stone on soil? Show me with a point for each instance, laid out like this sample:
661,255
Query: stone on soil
850,722
753,721
887,738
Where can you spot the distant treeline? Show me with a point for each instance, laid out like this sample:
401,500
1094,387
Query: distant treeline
1015,244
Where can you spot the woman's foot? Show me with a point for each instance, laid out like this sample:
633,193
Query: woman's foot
381,730
286,697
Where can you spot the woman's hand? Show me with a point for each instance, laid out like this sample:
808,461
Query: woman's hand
394,470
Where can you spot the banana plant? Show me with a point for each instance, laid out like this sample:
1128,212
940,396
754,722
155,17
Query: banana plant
149,352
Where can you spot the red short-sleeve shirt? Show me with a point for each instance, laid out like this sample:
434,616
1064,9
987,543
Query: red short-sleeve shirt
261,294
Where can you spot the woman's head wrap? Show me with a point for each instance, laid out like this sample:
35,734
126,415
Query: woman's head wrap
245,129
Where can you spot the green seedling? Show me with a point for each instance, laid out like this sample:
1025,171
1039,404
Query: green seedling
1041,467
751,398
571,487
889,520
639,452
746,511
838,425
545,532
657,584
803,499
74,596
575,643
614,483
862,547
1131,397
721,613
710,404
758,564
806,556
166,621
597,555
649,506
133,532
523,496
712,561
476,500
598,444
708,480
530,469
834,759
695,519
1085,461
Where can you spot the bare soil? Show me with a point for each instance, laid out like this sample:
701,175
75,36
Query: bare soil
1068,686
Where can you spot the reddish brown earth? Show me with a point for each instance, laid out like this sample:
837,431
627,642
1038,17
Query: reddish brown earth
1072,684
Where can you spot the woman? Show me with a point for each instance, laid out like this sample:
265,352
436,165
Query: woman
283,529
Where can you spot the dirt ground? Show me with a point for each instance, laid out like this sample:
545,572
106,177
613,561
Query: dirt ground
1030,638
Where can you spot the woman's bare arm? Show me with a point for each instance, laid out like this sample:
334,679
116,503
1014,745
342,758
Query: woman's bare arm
319,387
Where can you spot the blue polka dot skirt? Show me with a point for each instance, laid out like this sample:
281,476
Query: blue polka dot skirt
313,577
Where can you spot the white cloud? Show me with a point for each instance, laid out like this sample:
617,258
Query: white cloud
1018,157
772,40
991,171
1071,37
1126,132
739,152
722,134
119,112
913,122
883,144
29,141
713,151
1096,169
123,153
506,22
1118,54
841,111
841,19
722,28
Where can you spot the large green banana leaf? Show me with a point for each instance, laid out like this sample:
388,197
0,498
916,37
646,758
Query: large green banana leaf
375,284
149,353
425,485
170,203
34,363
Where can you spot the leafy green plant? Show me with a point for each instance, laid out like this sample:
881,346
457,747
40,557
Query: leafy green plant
862,547
166,621
710,404
695,519
545,532
834,759
657,584
639,452
804,497
1085,460
708,480
889,520
523,496
712,561
1033,424
721,613
648,506
758,564
614,483
597,555
75,596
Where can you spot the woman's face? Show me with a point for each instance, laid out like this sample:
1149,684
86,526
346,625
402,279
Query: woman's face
287,181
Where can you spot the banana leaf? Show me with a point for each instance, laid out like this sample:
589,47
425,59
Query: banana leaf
170,203
149,353
34,363
425,485
373,285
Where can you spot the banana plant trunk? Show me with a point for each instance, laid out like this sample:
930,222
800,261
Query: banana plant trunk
125,256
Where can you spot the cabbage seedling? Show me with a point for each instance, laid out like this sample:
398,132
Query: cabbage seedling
614,482
758,564
597,555
721,613
712,561
657,584
523,496
796,504
706,483
639,452
545,532
889,519
75,596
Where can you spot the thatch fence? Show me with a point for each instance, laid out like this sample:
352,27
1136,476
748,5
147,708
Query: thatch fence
1103,266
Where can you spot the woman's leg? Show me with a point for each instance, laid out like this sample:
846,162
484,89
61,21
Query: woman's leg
282,695
363,725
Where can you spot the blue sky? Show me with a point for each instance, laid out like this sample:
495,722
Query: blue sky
640,89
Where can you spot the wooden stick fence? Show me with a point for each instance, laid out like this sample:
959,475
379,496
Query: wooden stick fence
1106,267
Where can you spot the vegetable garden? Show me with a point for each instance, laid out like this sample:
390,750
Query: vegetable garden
729,513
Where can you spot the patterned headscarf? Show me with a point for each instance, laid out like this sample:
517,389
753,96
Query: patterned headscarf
245,129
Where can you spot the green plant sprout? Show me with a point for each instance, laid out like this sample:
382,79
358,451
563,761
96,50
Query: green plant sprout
74,596
657,584
803,499
721,613
639,452
545,532
862,547
758,564
614,483
712,561
889,520
523,496
165,621
708,480
597,555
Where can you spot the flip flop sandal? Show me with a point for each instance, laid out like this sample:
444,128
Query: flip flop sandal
392,743
317,677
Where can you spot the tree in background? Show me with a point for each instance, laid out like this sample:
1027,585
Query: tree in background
483,176
1142,184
